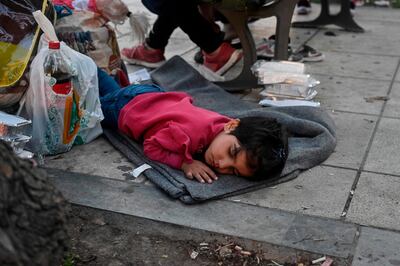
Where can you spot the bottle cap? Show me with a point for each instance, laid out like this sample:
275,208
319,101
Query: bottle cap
54,45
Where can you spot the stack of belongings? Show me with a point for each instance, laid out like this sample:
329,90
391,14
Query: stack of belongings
285,84
13,130
84,26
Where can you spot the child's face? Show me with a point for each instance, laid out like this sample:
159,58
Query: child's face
225,156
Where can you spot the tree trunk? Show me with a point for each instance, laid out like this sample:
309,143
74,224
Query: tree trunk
32,214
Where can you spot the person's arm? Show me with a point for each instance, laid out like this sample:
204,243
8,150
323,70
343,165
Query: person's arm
171,146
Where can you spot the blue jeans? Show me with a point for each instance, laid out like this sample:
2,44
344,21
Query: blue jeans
113,98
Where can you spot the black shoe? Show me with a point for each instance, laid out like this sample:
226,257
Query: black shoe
303,7
198,57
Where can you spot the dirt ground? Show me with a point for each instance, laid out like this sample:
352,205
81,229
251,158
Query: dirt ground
101,238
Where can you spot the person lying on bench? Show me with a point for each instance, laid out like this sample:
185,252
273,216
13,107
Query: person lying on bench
198,141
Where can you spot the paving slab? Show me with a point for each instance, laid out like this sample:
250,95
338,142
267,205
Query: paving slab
320,191
385,150
314,234
376,201
353,134
397,78
377,248
392,107
362,14
350,94
374,13
97,158
346,64
379,38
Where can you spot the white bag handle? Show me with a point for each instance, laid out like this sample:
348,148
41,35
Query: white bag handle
46,26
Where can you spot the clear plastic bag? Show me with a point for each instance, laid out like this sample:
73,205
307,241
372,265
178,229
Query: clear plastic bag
285,80
293,88
263,68
58,120
14,130
114,10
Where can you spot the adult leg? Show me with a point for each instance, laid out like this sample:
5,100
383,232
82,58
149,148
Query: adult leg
162,30
219,56
151,53
177,13
199,30
184,14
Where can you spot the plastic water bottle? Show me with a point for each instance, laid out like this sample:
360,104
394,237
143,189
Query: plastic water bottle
57,70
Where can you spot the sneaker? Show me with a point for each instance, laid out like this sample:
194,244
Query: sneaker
309,54
143,55
198,57
266,51
222,59
303,7
358,2
382,3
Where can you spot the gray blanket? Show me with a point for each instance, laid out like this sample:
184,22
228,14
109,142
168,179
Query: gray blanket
313,136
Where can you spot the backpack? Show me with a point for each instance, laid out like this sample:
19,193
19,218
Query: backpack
18,45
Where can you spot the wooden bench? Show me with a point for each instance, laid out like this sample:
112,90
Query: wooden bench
343,19
283,11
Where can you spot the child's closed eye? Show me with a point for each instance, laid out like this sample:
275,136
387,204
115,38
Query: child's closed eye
234,151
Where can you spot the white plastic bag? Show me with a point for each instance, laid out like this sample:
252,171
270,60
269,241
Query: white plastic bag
60,121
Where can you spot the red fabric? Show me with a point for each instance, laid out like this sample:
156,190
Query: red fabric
173,129
123,79
63,2
91,4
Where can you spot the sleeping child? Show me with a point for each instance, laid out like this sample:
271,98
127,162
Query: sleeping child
200,142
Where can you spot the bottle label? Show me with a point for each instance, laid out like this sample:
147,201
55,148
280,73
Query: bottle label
52,81
62,88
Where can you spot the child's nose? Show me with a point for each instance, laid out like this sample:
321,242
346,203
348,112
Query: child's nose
224,163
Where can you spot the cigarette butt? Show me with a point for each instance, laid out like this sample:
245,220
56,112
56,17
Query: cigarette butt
318,260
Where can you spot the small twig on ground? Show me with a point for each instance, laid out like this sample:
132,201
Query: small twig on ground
376,98
230,244
307,237
275,263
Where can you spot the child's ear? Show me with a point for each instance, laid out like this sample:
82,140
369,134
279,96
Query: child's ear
231,125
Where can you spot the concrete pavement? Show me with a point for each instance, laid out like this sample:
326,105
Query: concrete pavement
348,207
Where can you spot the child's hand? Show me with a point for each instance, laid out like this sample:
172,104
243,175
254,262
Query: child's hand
199,170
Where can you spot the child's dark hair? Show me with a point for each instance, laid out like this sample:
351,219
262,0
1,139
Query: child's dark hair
265,141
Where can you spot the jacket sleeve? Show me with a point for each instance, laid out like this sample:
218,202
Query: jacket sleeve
170,145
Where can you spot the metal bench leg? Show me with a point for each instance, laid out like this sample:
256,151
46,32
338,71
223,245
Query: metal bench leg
245,79
283,11
343,19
